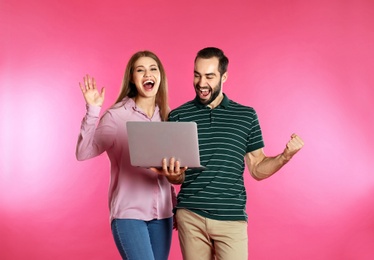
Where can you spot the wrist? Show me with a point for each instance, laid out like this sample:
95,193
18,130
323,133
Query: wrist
285,158
176,179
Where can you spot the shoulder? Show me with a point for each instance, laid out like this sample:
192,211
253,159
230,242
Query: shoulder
120,110
235,107
186,106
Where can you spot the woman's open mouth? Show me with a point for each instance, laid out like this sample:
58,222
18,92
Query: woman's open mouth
148,85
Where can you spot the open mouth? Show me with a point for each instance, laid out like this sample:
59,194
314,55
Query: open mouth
203,92
148,84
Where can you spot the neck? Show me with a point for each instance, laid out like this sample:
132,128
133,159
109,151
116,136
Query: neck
148,105
217,101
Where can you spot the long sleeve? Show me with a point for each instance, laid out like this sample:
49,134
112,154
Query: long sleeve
92,140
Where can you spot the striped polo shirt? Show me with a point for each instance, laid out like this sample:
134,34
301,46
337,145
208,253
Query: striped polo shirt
226,133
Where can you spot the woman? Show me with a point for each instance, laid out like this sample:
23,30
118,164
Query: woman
140,200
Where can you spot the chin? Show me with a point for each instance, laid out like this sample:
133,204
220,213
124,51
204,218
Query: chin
204,101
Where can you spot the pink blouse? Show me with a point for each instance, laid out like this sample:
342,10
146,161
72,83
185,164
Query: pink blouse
134,193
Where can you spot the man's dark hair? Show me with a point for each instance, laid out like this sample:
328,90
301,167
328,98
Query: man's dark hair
211,52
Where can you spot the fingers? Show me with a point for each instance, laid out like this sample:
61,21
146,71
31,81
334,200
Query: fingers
93,82
164,166
295,144
88,83
297,141
172,168
171,165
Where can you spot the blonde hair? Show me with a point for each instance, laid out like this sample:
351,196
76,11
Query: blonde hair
128,88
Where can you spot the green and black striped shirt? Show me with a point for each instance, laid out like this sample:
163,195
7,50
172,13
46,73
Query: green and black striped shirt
226,133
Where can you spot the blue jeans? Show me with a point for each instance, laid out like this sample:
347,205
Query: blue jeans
143,240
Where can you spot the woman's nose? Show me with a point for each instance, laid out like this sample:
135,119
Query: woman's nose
147,73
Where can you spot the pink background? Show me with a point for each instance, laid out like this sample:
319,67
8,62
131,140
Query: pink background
306,66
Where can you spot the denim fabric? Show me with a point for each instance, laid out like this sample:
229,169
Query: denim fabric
143,240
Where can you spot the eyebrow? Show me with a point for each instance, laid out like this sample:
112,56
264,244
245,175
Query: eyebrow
142,66
206,74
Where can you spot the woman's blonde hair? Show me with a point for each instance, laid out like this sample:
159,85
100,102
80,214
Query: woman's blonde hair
128,88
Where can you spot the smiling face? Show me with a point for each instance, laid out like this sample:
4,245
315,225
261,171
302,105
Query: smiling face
208,81
146,76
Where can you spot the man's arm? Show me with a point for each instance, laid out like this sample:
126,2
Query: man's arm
261,167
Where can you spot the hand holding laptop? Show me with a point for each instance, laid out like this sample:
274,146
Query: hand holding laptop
172,171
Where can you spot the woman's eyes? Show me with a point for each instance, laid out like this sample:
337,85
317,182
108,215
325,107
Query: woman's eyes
151,69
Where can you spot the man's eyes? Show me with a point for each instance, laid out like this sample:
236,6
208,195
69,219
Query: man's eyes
198,77
207,77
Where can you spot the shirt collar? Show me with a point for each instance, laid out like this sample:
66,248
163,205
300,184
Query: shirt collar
129,104
224,103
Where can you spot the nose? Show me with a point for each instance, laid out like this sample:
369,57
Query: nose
147,74
201,82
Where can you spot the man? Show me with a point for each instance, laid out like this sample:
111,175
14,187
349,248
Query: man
210,213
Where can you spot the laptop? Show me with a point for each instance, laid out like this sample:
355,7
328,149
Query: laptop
150,142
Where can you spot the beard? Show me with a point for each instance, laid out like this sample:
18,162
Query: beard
214,93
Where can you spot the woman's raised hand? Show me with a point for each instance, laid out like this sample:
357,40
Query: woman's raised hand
91,94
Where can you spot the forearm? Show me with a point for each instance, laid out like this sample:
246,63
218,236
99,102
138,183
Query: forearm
84,146
268,166
261,167
93,140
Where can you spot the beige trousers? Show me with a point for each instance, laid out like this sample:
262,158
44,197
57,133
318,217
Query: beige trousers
207,239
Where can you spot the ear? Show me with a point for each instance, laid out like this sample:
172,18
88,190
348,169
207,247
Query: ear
224,77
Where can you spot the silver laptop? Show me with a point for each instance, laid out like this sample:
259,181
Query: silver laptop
150,142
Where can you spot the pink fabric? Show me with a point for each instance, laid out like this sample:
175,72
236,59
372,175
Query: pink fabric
135,193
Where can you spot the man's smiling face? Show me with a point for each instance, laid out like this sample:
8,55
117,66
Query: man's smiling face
208,80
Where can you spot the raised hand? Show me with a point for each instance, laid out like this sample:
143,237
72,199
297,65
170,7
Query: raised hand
293,146
91,94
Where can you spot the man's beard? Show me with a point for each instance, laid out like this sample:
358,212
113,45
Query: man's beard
214,93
